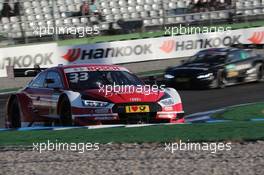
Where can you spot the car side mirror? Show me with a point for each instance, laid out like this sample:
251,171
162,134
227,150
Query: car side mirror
49,81
228,61
183,61
151,80
50,84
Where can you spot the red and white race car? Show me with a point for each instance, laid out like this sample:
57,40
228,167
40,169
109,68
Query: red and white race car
91,94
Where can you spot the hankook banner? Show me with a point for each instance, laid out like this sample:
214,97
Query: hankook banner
48,55
45,55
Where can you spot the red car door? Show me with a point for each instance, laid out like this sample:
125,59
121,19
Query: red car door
44,92
38,94
54,88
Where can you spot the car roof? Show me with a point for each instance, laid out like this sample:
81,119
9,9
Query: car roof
99,66
88,65
222,49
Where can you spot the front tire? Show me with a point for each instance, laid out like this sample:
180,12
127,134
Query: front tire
65,112
221,80
260,72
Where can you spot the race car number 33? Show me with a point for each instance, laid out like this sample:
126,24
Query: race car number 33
137,109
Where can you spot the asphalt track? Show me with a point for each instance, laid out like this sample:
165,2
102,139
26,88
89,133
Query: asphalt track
204,100
195,101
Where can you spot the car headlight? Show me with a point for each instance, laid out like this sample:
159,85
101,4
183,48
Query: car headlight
205,76
168,76
90,103
167,100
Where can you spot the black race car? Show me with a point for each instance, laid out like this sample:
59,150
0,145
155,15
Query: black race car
216,68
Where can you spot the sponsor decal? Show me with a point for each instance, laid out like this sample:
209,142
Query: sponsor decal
93,68
72,55
257,37
170,45
24,61
99,53
77,69
137,109
135,99
168,108
243,66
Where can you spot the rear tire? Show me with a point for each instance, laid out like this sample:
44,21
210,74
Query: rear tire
14,113
65,112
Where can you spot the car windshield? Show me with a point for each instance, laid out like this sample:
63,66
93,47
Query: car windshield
96,79
208,57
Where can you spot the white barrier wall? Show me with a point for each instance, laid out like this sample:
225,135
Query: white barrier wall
47,55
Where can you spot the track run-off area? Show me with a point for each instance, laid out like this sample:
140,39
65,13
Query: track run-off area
195,101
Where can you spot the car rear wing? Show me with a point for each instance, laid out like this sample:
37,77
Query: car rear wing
23,72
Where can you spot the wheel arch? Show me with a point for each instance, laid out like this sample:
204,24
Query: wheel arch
73,97
258,61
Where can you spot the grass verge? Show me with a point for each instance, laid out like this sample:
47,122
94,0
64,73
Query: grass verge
242,113
235,131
